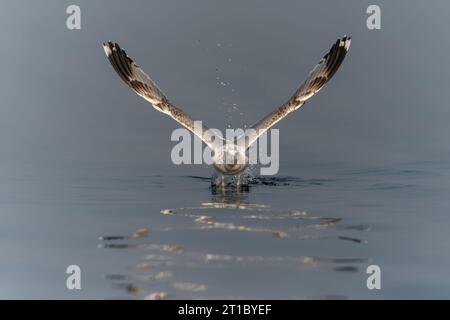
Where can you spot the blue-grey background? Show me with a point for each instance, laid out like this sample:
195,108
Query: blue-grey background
82,156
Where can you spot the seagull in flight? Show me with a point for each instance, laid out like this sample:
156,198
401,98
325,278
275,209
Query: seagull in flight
141,83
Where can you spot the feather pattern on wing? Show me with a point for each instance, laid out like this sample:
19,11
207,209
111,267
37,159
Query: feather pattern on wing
315,81
141,83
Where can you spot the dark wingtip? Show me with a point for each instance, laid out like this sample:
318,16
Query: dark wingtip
336,55
345,42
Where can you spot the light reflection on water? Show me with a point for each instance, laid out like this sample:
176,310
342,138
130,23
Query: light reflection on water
156,274
137,235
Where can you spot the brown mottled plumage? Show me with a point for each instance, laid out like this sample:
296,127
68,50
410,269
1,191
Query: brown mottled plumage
141,83
315,81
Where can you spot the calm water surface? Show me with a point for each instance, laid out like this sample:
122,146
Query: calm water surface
139,236
86,176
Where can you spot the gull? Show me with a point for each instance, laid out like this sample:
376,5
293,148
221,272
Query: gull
141,83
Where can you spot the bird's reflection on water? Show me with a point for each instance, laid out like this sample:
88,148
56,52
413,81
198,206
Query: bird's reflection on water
213,241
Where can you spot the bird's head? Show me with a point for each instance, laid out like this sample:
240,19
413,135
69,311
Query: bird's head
230,159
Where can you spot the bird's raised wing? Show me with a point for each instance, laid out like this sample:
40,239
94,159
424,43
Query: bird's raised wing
141,83
315,81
